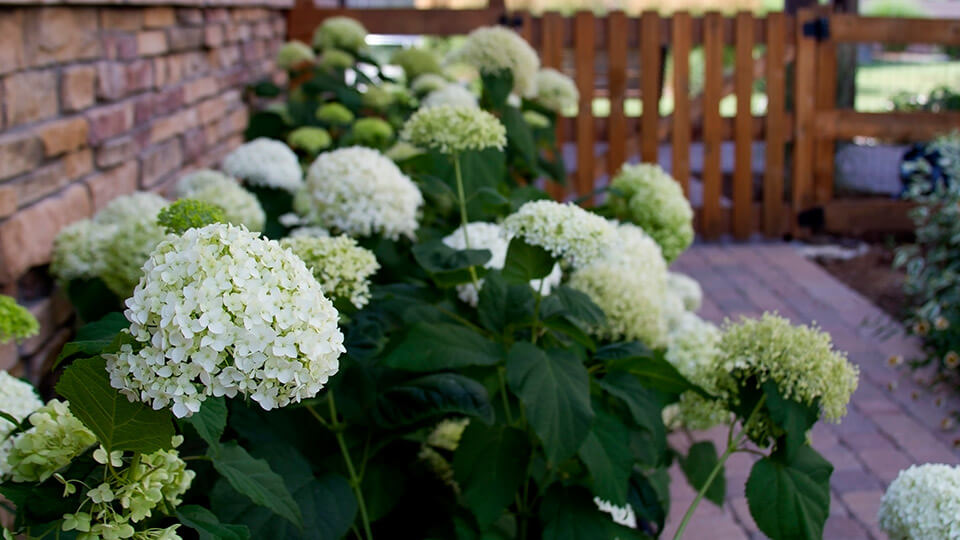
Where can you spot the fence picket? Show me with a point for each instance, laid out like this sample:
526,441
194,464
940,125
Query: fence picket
617,81
805,110
680,159
712,134
743,129
584,57
826,96
551,53
776,86
650,85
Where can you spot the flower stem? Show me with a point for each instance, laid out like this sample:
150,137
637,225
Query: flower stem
463,215
354,478
731,448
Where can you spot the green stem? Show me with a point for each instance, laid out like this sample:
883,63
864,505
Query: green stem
355,480
731,448
463,215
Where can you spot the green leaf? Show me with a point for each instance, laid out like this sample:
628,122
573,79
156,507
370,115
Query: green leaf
92,299
570,329
655,373
254,478
93,338
431,397
448,266
564,300
697,466
275,203
490,464
643,404
554,387
569,513
496,88
519,137
211,420
503,304
622,350
650,496
118,423
439,346
207,525
793,417
790,501
265,124
526,262
606,453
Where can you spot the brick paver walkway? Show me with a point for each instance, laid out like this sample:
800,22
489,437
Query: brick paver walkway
885,430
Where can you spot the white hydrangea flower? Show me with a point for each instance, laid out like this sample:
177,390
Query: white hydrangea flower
693,348
265,162
128,231
565,230
621,515
556,91
340,33
342,267
452,130
922,503
75,251
491,49
360,192
18,399
451,94
686,289
493,237
221,311
127,208
309,232
428,82
240,206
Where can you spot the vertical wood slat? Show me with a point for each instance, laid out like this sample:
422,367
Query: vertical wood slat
650,84
805,108
826,96
552,55
617,82
712,134
681,100
743,128
584,56
776,86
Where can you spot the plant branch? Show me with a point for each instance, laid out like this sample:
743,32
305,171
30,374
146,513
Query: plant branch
354,478
463,215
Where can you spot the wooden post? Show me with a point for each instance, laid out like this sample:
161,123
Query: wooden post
804,98
617,81
743,129
776,87
650,85
681,100
552,55
584,52
826,98
712,126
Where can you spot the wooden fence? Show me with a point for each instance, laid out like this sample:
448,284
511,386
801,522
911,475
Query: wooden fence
621,58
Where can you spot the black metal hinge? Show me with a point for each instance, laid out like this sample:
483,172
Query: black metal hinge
818,29
514,21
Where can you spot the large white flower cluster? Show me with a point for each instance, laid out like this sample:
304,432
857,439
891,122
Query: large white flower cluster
360,192
19,400
239,205
629,284
265,162
221,311
646,195
565,230
493,237
922,503
75,251
452,130
342,267
686,289
492,49
692,348
556,91
451,94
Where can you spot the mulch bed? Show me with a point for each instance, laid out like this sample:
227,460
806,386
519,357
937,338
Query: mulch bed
872,275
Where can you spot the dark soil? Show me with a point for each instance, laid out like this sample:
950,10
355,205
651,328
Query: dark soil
872,275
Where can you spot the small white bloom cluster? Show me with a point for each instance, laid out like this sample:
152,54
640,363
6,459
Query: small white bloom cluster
492,49
240,206
360,192
621,515
19,400
342,267
452,130
428,82
450,94
556,91
492,237
922,503
686,289
265,162
75,251
629,285
55,437
646,195
221,311
444,437
692,348
565,230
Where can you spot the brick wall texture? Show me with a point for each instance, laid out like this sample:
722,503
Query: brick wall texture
100,101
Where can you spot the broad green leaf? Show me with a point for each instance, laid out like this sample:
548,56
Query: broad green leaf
526,262
572,303
91,299
697,466
621,350
569,513
793,417
255,479
211,420
606,453
649,496
480,169
265,124
496,88
503,304
439,346
567,328
655,373
643,404
487,203
790,501
93,338
118,423
207,525
490,464
554,386
431,397
519,137
448,266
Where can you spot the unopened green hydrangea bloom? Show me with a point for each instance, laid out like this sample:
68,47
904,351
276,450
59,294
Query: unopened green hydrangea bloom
556,91
309,139
492,49
239,205
334,114
452,130
55,437
16,322
428,82
342,267
294,53
800,359
189,214
402,150
646,195
416,62
536,120
378,97
373,132
340,33
335,59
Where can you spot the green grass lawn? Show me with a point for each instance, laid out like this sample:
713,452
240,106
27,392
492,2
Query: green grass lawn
877,83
